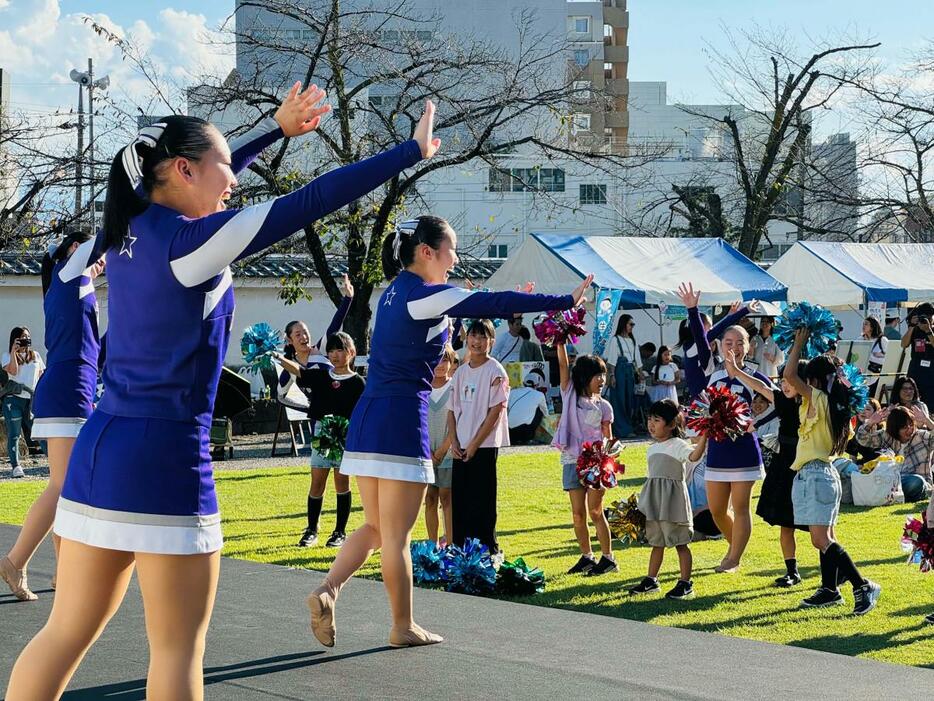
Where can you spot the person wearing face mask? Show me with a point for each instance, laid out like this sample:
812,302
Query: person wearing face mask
64,394
388,443
140,490
909,433
24,367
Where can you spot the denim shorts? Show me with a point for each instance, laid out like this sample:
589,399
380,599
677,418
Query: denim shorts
569,478
815,494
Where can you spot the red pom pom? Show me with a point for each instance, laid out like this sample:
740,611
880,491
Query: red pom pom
719,414
596,468
557,328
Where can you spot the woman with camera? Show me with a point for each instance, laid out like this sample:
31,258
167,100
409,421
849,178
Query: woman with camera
24,366
920,339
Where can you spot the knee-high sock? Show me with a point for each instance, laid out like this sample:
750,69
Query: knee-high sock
314,511
845,565
343,511
828,572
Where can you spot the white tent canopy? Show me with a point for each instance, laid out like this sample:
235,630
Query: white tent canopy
647,270
837,274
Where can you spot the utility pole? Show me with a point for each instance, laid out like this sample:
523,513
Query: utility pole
79,171
86,80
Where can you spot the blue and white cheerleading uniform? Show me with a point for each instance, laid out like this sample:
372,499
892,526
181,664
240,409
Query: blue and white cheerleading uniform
388,435
64,396
140,477
739,460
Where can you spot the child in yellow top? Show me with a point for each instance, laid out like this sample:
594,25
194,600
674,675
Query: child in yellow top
816,491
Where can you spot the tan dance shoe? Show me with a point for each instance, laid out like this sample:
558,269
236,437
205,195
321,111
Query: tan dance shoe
16,581
413,637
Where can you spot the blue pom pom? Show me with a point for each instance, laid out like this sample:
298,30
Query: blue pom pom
851,376
470,569
819,321
429,562
257,344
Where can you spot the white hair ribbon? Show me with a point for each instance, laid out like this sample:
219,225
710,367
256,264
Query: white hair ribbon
406,227
133,161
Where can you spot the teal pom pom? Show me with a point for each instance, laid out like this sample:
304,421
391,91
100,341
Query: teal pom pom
819,321
258,344
470,569
429,563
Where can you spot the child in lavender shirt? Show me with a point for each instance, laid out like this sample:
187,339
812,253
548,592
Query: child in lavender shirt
585,417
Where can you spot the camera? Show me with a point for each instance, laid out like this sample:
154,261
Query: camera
25,342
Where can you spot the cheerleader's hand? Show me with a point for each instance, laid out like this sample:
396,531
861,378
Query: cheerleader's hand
689,298
729,364
528,288
580,293
347,286
424,131
754,307
299,112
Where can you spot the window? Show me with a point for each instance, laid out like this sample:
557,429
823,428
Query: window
294,34
580,122
581,25
391,35
524,179
376,100
551,180
497,251
499,180
583,89
424,35
593,194
581,57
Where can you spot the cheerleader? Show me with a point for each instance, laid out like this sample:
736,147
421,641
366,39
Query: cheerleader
334,390
775,505
64,396
388,446
299,349
140,489
816,491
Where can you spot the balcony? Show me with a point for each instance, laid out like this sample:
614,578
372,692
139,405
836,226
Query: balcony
616,54
616,16
617,87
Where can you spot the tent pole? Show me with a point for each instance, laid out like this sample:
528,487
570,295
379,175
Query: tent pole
661,329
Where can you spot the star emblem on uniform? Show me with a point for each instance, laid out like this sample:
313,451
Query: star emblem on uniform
127,246
389,296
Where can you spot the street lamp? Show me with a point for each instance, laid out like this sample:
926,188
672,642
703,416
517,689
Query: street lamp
86,80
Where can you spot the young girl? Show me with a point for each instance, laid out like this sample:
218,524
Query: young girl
439,491
816,491
585,417
775,505
139,493
388,446
334,391
64,395
479,428
665,377
734,466
664,498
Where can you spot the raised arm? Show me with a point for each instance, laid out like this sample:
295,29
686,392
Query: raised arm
790,374
564,366
337,321
736,313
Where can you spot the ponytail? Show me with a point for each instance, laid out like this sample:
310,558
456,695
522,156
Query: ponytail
399,247
135,171
59,253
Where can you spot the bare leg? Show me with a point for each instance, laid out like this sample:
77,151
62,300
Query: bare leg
718,497
431,512
341,482
655,561
579,514
685,561
355,551
93,583
598,518
740,493
789,546
178,596
399,503
444,495
319,482
41,514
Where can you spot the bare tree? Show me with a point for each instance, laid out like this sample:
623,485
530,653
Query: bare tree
379,65
765,167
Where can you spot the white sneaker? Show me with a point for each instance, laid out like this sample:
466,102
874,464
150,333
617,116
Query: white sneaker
18,472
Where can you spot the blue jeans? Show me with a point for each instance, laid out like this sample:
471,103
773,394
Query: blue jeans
915,488
15,413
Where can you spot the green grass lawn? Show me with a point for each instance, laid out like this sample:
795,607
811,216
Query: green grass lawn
264,514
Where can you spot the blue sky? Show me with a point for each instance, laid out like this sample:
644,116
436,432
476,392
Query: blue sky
666,37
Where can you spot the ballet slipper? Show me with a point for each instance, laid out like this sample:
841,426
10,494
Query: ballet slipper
16,580
321,604
413,637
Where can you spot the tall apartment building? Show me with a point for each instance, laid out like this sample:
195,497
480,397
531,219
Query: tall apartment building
598,32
